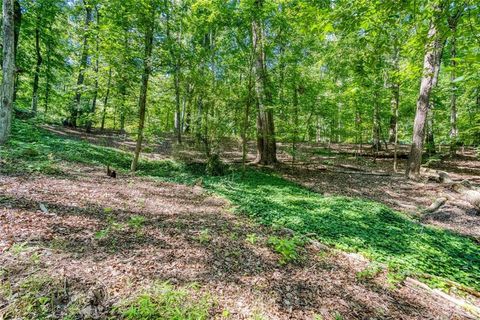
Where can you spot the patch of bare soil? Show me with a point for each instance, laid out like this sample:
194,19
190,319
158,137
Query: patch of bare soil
80,228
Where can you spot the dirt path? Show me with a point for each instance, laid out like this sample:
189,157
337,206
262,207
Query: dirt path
186,236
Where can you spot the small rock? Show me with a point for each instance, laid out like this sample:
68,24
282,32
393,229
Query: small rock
43,208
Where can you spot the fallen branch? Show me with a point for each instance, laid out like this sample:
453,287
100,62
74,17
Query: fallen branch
468,307
346,166
435,205
363,173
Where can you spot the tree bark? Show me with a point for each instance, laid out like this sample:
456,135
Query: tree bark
394,116
142,102
266,144
8,69
47,77
83,66
17,22
377,143
95,91
105,102
453,98
431,63
37,67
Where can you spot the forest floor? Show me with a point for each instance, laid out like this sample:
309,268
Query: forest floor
76,244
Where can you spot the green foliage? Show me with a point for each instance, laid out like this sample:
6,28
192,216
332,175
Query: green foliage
136,222
252,238
204,236
369,273
287,248
163,301
215,166
353,224
38,298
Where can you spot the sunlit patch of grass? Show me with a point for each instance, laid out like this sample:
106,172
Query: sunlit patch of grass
163,301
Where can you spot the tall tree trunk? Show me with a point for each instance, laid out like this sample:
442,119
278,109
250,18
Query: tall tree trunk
395,102
8,69
83,66
47,77
17,23
142,102
248,104
394,116
37,67
431,64
295,122
266,144
377,142
95,90
178,118
453,98
105,102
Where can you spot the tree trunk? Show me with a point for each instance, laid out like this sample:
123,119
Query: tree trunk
17,22
105,102
453,99
395,102
8,69
142,102
83,66
47,78
178,118
295,122
431,63
377,143
37,67
95,91
394,116
266,145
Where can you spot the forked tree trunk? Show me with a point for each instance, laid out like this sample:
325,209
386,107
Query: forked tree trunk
142,102
8,69
431,63
266,145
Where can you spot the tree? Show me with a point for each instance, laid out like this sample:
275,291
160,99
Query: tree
266,143
147,69
76,108
432,59
8,69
